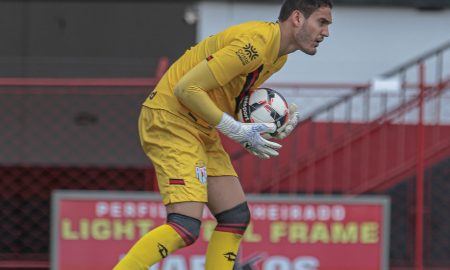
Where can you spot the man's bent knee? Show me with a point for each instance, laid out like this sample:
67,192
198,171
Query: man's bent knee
187,227
234,220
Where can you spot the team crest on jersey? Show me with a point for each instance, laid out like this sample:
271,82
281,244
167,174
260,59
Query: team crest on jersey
247,54
200,171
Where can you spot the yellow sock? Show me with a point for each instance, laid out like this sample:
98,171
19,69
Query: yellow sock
151,248
222,250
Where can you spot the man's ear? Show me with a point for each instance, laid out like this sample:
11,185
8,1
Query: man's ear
297,18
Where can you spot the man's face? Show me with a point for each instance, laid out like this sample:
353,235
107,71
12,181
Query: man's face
313,30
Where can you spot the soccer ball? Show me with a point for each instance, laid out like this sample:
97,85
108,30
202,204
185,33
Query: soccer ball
263,105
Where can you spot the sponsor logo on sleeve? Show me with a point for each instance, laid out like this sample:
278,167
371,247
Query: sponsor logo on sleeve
247,54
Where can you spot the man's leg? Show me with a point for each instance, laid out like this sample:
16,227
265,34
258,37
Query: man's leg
172,144
181,229
226,200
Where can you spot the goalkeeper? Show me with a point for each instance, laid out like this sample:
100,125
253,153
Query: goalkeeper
194,100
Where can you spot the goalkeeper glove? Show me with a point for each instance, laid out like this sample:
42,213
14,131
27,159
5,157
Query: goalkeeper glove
289,126
249,136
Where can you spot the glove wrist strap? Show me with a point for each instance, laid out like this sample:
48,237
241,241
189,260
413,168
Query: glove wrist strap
228,125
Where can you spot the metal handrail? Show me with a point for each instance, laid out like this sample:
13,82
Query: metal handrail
417,60
389,73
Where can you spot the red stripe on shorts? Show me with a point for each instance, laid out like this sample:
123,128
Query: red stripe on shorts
173,181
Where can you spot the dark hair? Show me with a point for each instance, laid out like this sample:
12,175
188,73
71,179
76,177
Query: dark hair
306,7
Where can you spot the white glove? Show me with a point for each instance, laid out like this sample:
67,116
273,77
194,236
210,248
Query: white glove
249,136
289,126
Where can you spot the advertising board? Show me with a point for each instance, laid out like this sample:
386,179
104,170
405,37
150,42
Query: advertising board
93,230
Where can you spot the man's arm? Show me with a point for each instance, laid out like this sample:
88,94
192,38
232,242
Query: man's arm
192,89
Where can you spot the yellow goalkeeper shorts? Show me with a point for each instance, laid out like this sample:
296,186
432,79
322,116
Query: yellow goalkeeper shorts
183,154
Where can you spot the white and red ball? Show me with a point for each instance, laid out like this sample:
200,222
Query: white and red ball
263,105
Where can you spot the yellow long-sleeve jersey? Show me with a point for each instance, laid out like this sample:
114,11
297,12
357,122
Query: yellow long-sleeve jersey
241,58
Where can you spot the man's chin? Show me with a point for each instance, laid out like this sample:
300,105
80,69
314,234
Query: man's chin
310,52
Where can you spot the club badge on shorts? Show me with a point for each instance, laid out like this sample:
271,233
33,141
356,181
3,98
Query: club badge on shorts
200,171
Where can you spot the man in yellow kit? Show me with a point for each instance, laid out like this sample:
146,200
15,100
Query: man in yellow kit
197,98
